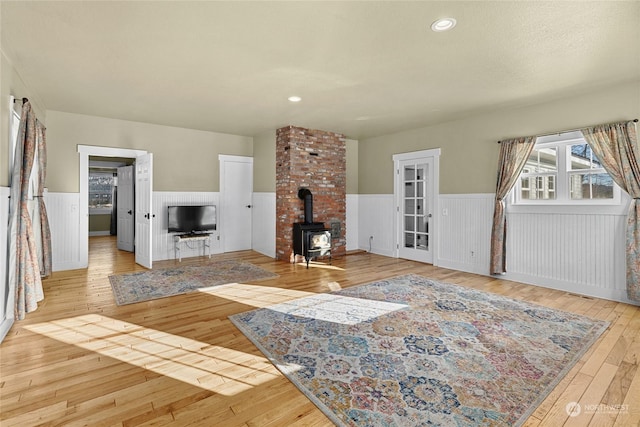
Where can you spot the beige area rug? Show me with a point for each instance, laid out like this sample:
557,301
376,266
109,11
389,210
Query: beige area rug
153,284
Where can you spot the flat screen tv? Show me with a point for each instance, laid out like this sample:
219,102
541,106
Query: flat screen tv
192,219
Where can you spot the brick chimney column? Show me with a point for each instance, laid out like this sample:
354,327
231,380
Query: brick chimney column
315,160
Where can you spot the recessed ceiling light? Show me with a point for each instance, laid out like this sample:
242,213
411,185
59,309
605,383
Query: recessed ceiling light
443,24
294,99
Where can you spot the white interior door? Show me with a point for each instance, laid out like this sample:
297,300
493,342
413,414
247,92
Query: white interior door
143,214
125,208
236,188
415,209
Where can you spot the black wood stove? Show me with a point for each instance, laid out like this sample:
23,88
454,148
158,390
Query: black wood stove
310,239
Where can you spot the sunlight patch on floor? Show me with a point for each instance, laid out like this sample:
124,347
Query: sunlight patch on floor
337,308
320,306
255,295
334,286
215,368
315,264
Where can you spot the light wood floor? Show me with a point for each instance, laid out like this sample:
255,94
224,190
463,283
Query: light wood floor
82,360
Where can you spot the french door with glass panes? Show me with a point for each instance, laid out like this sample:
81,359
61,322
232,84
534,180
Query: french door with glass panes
415,211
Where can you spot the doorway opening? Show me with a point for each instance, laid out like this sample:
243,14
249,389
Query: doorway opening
111,195
416,197
108,154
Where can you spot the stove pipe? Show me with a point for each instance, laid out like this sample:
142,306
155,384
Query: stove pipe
306,195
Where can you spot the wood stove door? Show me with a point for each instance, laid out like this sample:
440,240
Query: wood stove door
416,210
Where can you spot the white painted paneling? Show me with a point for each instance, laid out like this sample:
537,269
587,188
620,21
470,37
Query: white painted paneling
64,220
465,232
163,242
376,214
581,253
351,222
576,252
63,210
263,227
5,323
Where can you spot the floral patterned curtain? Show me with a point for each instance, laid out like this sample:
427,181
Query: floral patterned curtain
616,146
29,235
513,156
44,244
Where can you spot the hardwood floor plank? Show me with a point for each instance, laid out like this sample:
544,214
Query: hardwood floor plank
33,417
558,414
81,359
630,412
593,395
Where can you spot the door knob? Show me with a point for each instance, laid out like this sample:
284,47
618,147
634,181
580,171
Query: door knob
130,212
249,206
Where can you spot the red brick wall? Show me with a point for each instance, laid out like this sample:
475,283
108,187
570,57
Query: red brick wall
316,160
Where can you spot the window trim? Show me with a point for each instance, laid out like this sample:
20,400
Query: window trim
102,210
14,128
562,174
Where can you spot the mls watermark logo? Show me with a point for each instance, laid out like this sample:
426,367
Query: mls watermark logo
573,409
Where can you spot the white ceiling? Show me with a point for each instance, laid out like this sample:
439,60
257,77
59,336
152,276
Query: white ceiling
362,68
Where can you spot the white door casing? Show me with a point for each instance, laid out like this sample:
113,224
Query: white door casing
144,216
85,151
416,197
125,209
236,188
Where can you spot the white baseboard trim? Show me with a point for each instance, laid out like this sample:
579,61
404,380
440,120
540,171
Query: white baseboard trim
380,251
99,233
571,287
462,266
4,328
64,266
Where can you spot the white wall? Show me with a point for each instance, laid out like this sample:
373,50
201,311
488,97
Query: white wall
375,223
64,220
5,321
570,249
263,223
164,242
352,222
63,210
577,252
464,221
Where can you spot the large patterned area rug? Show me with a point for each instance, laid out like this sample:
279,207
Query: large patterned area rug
410,351
152,284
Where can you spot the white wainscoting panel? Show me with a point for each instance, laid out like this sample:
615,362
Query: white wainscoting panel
465,232
64,219
580,253
5,322
376,218
351,222
263,223
163,242
574,252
